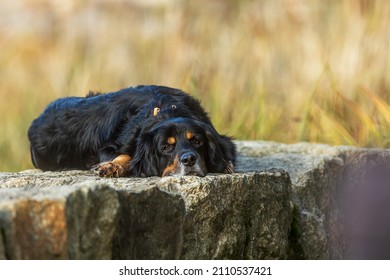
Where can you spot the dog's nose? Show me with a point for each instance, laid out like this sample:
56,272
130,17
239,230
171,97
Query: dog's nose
188,159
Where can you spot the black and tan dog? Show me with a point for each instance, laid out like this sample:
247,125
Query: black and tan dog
137,131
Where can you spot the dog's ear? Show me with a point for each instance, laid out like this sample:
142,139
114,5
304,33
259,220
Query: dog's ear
145,160
221,151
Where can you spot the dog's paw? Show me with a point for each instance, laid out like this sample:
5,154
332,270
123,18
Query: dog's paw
109,169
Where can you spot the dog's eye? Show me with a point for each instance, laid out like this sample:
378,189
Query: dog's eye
167,147
195,141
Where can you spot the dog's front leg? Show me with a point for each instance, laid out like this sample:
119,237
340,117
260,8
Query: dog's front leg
118,167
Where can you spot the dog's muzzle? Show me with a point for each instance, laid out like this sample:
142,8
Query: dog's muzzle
188,164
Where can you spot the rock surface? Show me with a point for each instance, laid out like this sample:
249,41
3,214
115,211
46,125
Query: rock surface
75,222
313,170
333,192
76,215
297,201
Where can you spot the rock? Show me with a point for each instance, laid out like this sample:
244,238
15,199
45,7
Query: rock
75,222
363,203
2,248
333,192
299,201
150,224
76,215
243,216
313,170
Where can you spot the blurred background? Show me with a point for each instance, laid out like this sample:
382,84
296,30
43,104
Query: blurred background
280,70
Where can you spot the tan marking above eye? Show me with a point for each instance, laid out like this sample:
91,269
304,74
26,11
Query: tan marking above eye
188,135
171,140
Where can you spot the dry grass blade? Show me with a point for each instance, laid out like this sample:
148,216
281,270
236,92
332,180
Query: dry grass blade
381,105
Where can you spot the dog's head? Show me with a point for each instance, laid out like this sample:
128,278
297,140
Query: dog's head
182,146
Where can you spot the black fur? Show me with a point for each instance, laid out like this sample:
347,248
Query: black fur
78,133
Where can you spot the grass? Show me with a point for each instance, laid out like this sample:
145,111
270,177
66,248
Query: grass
280,70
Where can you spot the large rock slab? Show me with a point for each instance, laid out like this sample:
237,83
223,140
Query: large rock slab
299,201
314,170
2,249
64,222
76,215
363,200
341,197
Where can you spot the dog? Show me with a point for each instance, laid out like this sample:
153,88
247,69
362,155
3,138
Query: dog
138,131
